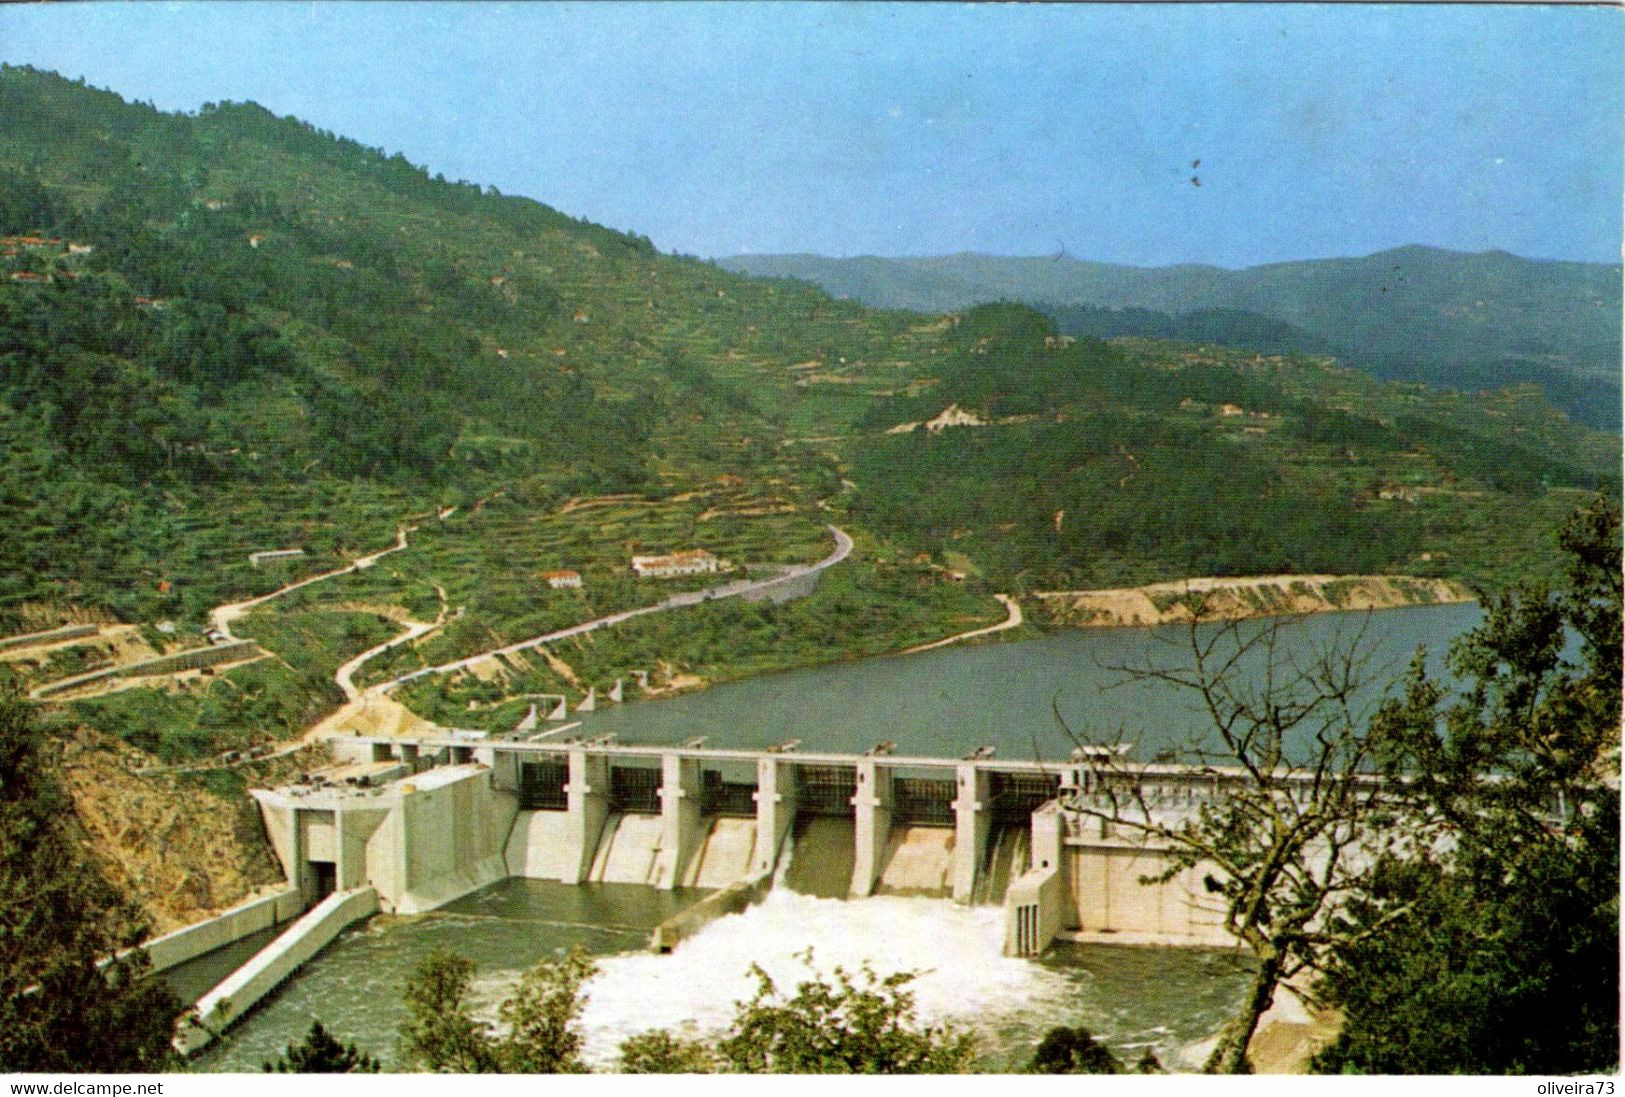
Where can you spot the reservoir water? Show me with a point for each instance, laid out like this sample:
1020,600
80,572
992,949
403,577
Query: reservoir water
951,700
944,702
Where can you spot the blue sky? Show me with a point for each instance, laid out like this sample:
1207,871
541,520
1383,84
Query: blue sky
859,128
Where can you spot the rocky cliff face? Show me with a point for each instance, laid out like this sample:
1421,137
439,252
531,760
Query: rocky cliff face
1258,596
182,846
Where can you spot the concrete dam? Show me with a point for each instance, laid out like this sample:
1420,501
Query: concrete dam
407,825
427,820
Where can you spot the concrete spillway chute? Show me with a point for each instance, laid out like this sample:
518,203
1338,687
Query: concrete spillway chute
977,829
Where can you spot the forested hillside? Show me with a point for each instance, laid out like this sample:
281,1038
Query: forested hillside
1469,321
1109,455
235,332
228,333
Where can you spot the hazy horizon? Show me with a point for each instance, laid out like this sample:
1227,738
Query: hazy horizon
1164,266
1146,135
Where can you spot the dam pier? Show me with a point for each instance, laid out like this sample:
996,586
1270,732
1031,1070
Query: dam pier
420,822
406,825
673,832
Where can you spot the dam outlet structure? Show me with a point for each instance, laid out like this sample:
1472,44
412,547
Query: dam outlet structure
408,824
426,820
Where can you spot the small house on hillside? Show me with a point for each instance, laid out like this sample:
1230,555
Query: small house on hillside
688,562
561,580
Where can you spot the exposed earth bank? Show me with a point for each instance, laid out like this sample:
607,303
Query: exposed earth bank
1254,596
181,850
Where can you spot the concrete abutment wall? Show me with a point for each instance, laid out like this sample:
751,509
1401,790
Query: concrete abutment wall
692,817
228,927
240,991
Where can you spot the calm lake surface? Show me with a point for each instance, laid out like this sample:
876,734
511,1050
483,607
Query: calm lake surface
944,702
952,700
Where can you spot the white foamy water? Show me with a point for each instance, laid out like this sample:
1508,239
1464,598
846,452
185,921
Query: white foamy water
694,989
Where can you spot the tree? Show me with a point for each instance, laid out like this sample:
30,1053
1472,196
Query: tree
659,1052
1285,842
846,1026
441,1034
1073,1051
1504,958
73,991
541,1017
320,1053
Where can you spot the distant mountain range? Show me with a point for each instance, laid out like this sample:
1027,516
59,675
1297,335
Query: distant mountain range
1448,318
229,331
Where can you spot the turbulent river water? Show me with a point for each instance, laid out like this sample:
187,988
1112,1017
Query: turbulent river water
1134,998
941,702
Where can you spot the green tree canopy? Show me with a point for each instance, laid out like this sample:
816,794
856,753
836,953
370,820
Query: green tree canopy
863,1025
1504,957
659,1052
442,1034
320,1053
1073,1051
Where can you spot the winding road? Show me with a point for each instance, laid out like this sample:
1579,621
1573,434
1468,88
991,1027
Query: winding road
1013,620
221,617
843,549
345,675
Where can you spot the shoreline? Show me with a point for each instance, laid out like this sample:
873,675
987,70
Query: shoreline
1243,597
1046,618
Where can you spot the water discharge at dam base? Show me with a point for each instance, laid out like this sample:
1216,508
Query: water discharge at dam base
869,850
1133,998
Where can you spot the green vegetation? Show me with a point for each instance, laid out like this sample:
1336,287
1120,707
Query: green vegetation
60,1011
320,1053
659,1052
1499,953
858,610
843,1025
1076,1051
1466,321
1115,465
258,703
440,1033
271,337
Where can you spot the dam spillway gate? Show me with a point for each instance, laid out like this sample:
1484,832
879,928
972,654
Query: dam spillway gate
728,799
432,817
923,801
1013,797
541,785
634,789
825,789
